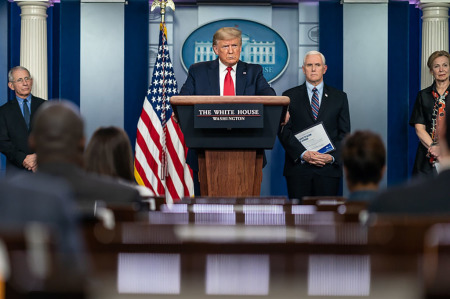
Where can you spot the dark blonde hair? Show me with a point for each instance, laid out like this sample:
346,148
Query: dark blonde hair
435,55
226,33
109,153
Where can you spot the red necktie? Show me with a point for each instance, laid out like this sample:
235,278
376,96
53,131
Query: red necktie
228,86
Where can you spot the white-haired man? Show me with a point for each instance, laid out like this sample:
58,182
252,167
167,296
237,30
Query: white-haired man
310,173
16,121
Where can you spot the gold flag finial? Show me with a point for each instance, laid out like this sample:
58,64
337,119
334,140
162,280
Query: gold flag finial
162,4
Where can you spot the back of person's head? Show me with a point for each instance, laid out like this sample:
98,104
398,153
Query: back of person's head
57,134
227,33
364,158
109,153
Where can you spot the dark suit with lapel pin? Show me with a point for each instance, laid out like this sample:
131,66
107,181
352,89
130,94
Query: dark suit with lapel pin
334,114
14,132
203,79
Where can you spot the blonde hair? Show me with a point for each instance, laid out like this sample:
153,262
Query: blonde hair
435,55
226,33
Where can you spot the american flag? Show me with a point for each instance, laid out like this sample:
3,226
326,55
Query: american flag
160,159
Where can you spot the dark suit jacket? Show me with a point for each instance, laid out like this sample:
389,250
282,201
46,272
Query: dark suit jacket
422,196
14,132
335,116
88,188
203,79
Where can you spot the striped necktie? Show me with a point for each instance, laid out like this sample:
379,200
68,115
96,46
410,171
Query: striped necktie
315,103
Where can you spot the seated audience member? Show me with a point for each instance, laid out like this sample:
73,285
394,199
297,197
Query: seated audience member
109,153
43,199
364,158
58,140
421,196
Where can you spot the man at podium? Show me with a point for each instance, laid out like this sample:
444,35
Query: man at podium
224,76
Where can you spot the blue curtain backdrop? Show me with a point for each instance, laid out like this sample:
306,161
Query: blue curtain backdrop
331,41
68,69
4,54
14,38
415,33
398,91
136,63
53,37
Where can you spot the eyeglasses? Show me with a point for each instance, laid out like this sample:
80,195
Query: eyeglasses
22,80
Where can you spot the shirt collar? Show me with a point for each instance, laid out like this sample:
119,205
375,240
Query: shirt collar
433,86
20,100
223,67
310,87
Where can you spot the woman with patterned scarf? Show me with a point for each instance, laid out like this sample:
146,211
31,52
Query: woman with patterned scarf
428,110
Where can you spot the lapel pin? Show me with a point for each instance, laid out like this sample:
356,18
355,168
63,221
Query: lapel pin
244,73
326,95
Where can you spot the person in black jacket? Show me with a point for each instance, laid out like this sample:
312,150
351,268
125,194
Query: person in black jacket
310,173
429,105
16,118
208,78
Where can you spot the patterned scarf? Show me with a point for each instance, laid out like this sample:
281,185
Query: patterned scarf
438,113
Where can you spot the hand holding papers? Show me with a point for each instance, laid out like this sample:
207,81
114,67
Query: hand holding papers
316,139
317,143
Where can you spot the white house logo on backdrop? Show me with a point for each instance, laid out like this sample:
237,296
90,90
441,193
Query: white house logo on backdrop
260,45
313,34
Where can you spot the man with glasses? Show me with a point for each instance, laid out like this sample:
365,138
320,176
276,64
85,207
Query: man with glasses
15,121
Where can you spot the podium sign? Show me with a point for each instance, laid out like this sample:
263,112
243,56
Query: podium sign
274,108
228,116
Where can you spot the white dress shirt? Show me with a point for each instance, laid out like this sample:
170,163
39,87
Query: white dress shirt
222,73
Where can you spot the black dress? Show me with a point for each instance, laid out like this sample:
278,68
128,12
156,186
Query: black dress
422,114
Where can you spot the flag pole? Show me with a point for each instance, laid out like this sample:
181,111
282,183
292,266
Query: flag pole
162,4
160,158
